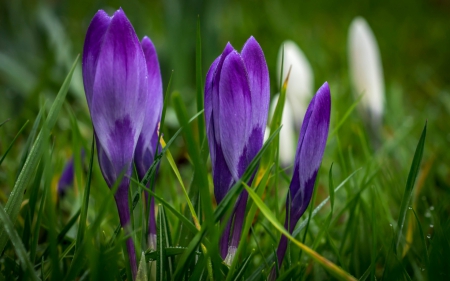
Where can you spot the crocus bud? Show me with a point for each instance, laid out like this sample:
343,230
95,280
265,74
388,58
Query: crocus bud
301,79
366,71
236,107
67,176
148,139
310,149
116,86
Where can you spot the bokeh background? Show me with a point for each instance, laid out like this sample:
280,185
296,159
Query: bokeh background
39,40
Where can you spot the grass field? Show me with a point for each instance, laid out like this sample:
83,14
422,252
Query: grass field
381,202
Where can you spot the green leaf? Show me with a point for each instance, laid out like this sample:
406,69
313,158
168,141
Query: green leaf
14,140
12,207
17,243
415,166
85,204
331,267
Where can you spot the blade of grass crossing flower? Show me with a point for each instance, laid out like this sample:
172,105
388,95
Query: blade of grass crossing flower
322,204
255,275
85,203
249,220
336,271
237,187
151,171
12,207
169,207
13,141
17,243
199,165
415,166
177,174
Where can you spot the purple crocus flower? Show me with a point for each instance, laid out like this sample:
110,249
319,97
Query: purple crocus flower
67,176
115,82
310,149
148,140
66,179
236,106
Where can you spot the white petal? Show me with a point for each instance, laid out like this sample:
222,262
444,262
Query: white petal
366,70
301,80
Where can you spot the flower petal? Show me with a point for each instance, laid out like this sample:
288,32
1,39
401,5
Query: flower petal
91,50
366,69
300,87
148,139
208,109
235,122
313,138
258,77
120,90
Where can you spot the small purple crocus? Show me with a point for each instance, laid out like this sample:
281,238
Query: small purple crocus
67,176
310,149
236,107
116,86
148,140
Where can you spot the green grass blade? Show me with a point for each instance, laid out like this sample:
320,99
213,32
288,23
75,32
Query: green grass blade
199,81
63,232
13,141
85,204
30,140
336,271
160,246
17,243
198,163
343,119
415,166
12,207
34,192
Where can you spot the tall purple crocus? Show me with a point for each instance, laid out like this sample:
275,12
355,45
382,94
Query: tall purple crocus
148,140
116,86
310,149
236,108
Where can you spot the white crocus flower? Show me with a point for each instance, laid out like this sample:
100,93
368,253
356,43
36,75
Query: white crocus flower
298,95
301,80
366,71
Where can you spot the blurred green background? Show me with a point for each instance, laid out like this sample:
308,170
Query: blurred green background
39,41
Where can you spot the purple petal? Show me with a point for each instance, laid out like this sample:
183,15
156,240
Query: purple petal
235,112
209,110
91,50
258,77
312,141
66,179
119,91
148,139
216,93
